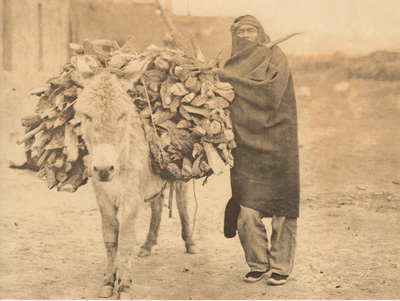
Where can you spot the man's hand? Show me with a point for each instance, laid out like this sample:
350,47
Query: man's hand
224,75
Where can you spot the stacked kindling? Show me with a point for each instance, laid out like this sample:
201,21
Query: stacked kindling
189,110
53,135
182,97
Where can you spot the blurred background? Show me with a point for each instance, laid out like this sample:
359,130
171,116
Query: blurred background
36,33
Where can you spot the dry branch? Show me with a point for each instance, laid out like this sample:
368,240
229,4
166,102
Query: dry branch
31,133
287,37
176,36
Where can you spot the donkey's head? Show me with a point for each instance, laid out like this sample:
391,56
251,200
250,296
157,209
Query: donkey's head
106,111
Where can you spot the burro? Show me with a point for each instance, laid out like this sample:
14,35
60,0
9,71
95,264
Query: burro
122,177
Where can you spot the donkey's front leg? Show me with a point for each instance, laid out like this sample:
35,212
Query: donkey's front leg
110,235
152,236
126,245
181,203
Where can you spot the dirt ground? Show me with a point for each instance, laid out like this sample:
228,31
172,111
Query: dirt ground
348,234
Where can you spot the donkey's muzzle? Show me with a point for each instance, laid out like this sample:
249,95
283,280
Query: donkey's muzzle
104,174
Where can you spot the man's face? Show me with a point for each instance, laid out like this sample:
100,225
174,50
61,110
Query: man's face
248,32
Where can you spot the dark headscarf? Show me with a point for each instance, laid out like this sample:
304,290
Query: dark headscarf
238,43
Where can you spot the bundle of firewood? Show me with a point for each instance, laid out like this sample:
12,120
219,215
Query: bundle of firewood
182,97
53,136
188,106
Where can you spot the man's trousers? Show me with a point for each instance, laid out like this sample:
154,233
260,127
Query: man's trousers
253,236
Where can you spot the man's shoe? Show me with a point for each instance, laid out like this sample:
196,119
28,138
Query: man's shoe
252,277
277,279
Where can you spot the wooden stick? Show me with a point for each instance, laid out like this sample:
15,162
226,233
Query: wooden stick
41,173
217,60
43,157
213,158
176,36
196,47
50,177
287,37
30,134
171,196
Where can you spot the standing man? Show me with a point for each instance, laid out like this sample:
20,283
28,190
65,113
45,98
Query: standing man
265,178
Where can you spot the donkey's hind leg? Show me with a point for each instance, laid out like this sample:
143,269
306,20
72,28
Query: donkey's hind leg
182,204
156,212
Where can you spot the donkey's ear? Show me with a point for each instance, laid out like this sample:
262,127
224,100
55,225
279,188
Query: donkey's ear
86,67
86,79
128,84
133,72
123,78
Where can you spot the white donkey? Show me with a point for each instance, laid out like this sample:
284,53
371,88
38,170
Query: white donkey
122,176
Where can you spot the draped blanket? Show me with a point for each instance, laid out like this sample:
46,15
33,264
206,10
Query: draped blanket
266,172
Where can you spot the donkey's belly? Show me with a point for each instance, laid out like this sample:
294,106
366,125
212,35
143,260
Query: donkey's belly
152,186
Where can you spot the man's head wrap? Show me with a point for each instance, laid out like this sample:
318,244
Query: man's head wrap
238,43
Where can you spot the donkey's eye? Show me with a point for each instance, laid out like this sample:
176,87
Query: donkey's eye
121,117
87,117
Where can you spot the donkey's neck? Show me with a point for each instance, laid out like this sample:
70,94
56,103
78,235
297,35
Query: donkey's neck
135,151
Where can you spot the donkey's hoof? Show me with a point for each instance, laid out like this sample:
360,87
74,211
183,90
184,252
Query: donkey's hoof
191,249
124,296
106,291
143,252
